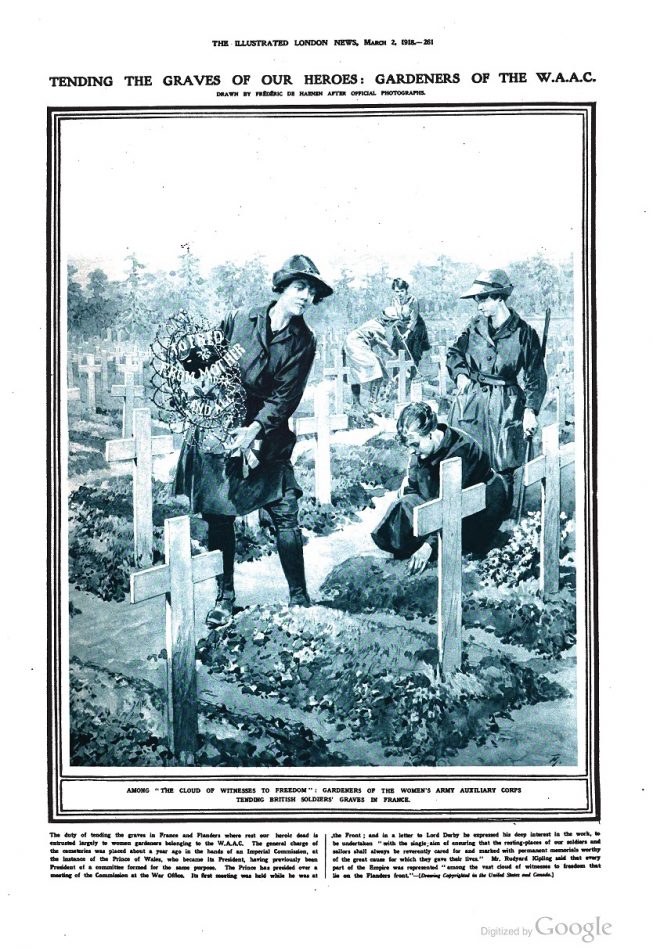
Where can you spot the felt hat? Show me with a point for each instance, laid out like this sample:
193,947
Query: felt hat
296,267
490,282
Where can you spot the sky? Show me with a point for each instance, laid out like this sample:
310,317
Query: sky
360,191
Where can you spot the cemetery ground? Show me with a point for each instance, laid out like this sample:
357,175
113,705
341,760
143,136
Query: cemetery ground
353,679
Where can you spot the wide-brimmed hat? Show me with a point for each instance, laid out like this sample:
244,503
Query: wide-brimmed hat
300,266
490,282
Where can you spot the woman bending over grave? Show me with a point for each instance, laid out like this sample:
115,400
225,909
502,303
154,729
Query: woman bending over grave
366,351
276,350
431,443
410,334
485,361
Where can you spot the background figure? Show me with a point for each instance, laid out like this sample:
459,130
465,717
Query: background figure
411,329
254,471
485,362
366,351
430,444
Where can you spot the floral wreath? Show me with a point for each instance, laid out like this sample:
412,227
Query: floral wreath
196,378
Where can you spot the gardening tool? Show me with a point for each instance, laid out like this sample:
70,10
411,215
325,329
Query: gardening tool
410,355
529,440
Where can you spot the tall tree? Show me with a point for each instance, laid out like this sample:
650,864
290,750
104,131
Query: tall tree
135,317
192,286
76,303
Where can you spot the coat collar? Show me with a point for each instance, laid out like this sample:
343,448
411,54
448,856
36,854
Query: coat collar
449,437
482,326
297,326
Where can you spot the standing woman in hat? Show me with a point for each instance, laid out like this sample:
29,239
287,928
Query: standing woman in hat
276,349
496,348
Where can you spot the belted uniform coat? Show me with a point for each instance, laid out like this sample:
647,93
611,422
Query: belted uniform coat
491,409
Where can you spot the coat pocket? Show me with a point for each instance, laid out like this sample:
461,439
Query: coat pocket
511,447
465,407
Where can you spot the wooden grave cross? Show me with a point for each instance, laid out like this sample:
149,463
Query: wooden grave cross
561,405
416,395
567,353
445,515
340,373
74,397
175,580
74,360
89,369
129,391
140,449
104,375
321,425
443,373
404,365
546,470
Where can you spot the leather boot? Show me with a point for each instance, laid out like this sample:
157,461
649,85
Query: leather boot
291,555
221,614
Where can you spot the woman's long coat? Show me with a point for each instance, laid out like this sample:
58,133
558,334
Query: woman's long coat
274,370
412,328
491,409
395,531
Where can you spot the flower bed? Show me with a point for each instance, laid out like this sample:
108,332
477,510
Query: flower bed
101,539
371,680
513,612
117,720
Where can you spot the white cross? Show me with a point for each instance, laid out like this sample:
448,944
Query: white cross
445,515
546,470
175,580
321,426
140,449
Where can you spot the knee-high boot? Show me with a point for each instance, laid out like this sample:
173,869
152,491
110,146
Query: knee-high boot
291,555
222,537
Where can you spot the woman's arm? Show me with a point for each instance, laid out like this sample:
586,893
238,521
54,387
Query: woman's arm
378,341
289,385
457,360
534,371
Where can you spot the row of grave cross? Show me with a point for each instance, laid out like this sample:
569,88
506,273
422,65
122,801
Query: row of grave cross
176,578
128,391
338,371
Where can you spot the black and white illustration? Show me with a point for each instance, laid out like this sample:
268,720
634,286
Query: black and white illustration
322,450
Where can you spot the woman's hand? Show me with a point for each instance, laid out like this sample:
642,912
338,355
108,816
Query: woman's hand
243,438
419,560
462,382
530,423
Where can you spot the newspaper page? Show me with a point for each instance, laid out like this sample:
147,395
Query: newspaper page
326,304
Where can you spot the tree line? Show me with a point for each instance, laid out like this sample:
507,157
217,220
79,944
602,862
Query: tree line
143,300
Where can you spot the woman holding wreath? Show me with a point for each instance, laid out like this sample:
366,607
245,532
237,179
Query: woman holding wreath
276,350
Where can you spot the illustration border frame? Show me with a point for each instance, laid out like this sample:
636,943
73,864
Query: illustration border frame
55,768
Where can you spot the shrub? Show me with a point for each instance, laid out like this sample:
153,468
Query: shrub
101,535
519,558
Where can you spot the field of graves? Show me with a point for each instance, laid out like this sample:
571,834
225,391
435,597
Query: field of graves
472,662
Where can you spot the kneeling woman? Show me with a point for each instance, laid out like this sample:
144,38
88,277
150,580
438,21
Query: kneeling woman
432,443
